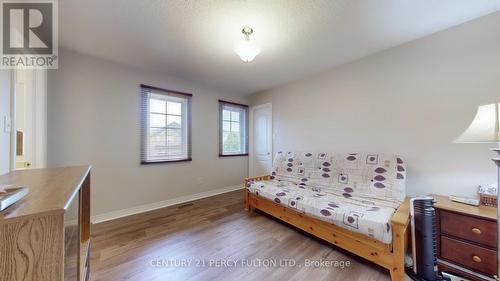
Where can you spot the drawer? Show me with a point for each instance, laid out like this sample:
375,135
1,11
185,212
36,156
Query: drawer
473,257
457,272
469,228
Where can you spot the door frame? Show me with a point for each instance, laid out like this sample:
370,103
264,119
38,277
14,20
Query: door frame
251,135
39,99
12,153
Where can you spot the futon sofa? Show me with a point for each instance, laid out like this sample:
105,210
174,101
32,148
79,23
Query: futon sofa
355,201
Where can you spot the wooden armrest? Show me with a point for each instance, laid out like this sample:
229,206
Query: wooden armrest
259,178
402,215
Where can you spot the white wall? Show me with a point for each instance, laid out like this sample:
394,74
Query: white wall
413,100
5,80
93,118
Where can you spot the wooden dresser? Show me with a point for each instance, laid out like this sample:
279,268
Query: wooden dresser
46,235
467,239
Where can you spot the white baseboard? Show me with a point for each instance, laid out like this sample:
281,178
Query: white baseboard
162,204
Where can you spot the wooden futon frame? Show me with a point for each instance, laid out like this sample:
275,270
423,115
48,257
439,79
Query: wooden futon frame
389,256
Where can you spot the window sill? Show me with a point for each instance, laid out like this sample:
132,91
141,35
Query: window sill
232,155
166,161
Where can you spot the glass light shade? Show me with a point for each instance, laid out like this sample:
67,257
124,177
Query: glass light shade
485,126
247,50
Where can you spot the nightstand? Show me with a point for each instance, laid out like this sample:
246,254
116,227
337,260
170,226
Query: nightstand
466,239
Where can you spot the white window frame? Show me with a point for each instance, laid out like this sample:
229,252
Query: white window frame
147,94
242,110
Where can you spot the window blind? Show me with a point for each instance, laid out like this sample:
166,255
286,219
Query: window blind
165,125
233,129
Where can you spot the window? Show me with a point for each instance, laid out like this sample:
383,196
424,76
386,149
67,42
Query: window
165,125
233,129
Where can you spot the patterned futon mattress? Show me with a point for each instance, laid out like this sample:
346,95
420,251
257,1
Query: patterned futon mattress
356,215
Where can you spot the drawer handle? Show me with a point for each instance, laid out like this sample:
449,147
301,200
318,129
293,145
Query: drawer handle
476,231
476,259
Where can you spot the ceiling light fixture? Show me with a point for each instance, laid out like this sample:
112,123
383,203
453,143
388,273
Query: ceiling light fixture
247,50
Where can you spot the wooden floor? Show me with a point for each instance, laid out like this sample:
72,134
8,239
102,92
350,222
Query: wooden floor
192,242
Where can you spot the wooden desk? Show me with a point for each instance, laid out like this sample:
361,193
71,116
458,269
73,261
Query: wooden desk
467,239
46,235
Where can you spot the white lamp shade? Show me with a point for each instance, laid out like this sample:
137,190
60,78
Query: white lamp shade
485,126
247,50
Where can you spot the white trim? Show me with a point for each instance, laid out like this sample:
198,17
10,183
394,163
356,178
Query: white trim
12,156
162,204
250,135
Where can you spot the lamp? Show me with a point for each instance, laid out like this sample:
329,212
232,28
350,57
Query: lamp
485,129
247,50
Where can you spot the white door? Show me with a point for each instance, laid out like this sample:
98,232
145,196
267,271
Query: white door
29,120
23,119
261,140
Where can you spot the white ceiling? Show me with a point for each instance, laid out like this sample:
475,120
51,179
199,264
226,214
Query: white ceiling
194,40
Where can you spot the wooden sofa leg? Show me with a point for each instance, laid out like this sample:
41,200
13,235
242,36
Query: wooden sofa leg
397,275
247,200
399,252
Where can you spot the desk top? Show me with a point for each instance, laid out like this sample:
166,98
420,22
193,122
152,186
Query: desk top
50,190
444,203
